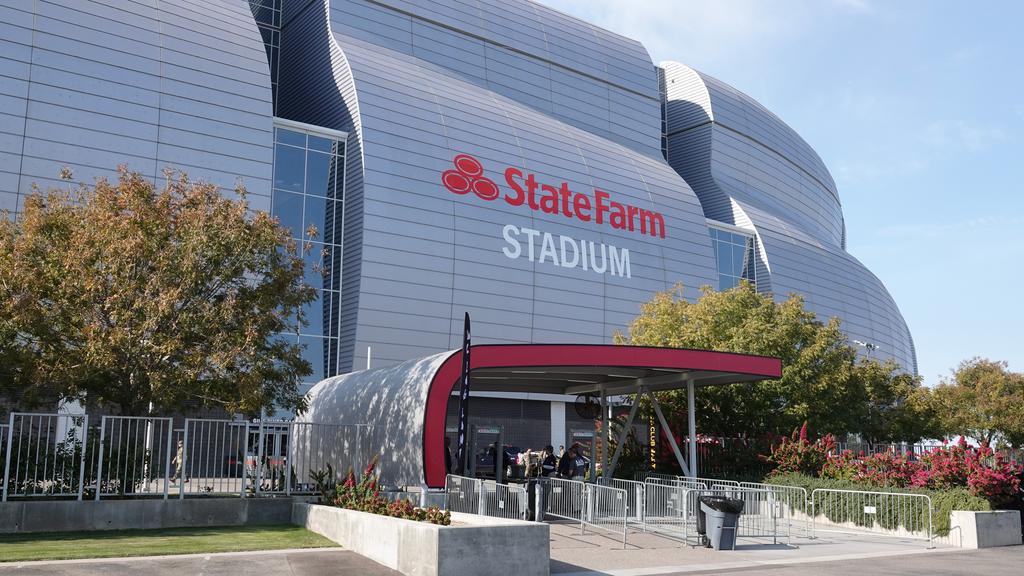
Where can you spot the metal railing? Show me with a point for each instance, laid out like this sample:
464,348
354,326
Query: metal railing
44,455
634,497
884,513
70,456
603,508
668,509
485,497
792,501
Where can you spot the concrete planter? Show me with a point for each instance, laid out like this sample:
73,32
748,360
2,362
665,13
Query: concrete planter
472,546
983,529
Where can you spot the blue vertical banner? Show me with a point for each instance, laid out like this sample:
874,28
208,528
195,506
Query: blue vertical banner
460,454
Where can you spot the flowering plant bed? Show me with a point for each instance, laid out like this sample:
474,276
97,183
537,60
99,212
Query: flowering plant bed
364,495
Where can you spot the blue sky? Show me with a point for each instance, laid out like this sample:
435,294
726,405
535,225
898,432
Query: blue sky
917,108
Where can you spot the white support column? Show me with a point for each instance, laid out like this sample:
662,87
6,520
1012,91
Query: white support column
605,435
557,425
691,417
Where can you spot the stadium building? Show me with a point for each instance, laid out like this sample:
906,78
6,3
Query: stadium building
495,157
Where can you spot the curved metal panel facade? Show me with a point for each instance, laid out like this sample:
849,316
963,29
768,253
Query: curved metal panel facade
175,83
751,170
418,85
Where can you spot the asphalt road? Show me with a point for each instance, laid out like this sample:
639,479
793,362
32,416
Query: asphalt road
993,561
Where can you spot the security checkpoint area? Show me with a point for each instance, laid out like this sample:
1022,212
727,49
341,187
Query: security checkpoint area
602,519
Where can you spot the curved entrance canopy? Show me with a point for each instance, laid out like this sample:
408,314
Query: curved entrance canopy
406,404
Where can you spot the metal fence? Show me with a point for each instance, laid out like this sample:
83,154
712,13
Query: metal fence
70,456
485,497
603,508
886,513
792,502
668,509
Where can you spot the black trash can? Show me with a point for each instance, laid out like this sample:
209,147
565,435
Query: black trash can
721,517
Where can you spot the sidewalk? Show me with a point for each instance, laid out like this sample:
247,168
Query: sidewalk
573,554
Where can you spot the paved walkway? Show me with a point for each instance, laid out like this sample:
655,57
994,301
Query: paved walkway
305,562
573,554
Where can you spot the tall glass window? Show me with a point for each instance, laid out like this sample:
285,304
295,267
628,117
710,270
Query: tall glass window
734,255
268,17
309,200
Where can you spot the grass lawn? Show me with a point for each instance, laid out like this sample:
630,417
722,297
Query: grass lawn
115,543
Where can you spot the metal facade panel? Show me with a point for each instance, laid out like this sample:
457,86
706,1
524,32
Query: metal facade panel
425,253
751,170
101,76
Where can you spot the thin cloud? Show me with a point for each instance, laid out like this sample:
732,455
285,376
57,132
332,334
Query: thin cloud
961,135
858,6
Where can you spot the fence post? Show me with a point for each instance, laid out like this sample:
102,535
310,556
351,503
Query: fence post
81,462
481,502
288,460
7,456
99,457
258,468
245,460
167,460
184,459
931,544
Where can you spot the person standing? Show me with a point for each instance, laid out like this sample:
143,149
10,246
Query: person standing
447,455
179,460
549,464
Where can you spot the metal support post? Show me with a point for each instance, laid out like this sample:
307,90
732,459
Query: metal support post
99,457
668,433
288,459
167,461
7,455
81,462
245,460
691,417
184,459
622,436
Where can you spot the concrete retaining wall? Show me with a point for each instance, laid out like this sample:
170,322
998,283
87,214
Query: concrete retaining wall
60,516
471,546
983,529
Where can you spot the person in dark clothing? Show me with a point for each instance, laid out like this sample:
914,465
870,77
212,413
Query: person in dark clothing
447,455
549,464
565,464
579,464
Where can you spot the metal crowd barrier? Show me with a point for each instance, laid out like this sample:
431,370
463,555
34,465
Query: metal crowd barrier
602,508
634,497
485,497
669,510
895,514
792,501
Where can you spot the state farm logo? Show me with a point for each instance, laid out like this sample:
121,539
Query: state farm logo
598,207
469,175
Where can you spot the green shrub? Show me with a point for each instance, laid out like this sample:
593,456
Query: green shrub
889,513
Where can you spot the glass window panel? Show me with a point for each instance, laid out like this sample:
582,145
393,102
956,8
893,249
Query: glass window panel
313,352
321,144
289,168
738,255
288,209
318,174
316,212
713,232
291,137
335,308
313,258
339,177
314,313
725,282
724,259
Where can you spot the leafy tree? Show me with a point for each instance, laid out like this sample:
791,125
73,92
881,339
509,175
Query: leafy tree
817,363
896,406
984,400
136,296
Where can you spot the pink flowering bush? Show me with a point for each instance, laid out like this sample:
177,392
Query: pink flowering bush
982,471
883,469
798,454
